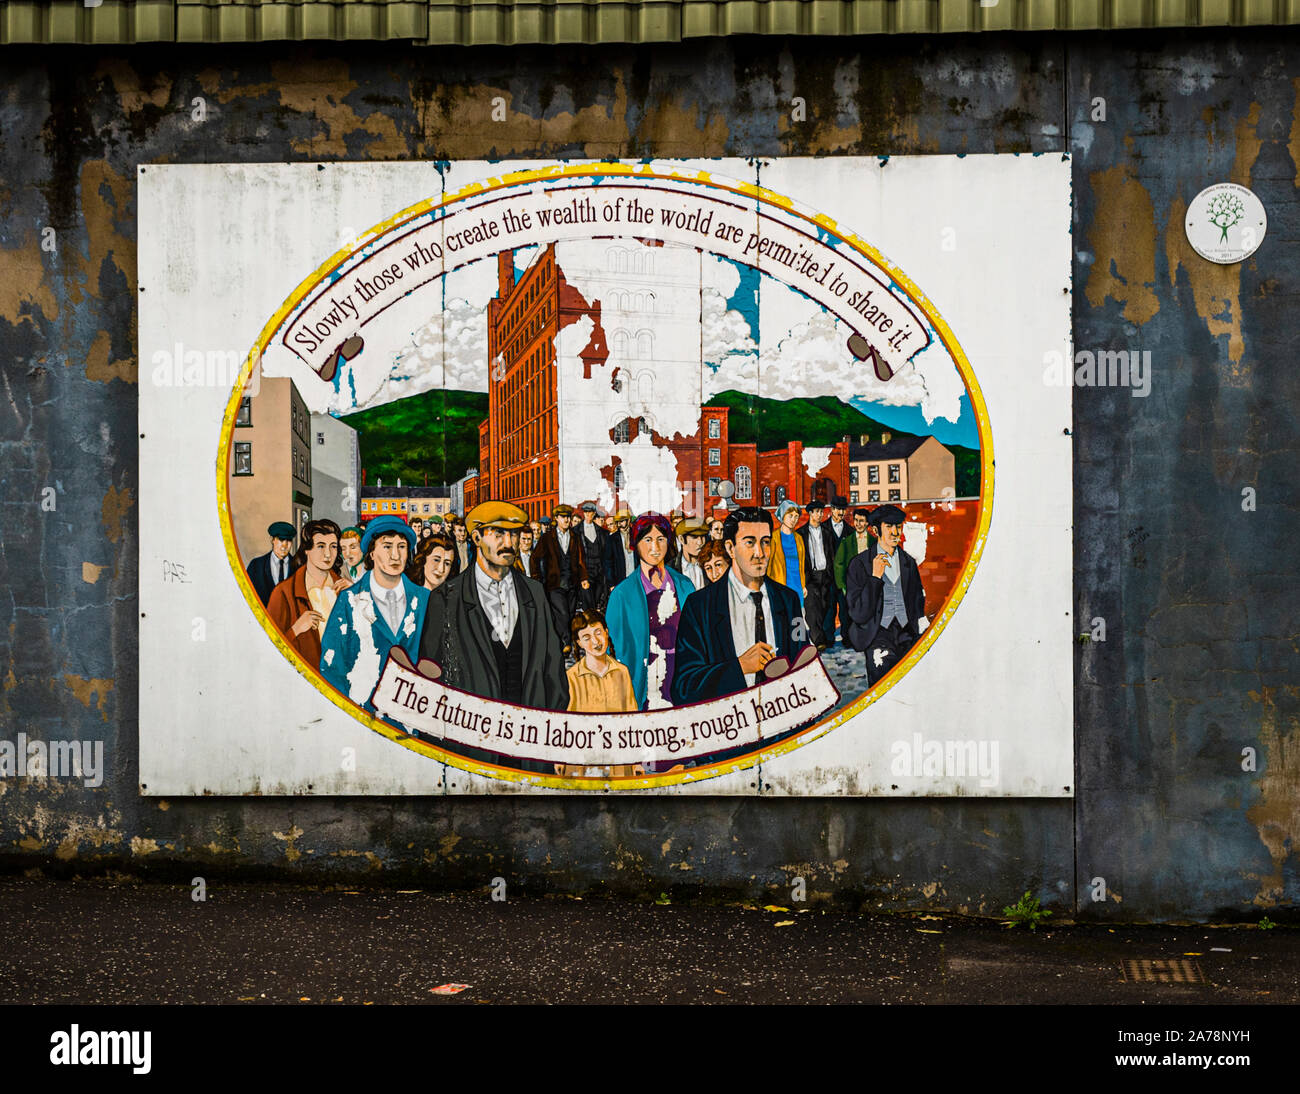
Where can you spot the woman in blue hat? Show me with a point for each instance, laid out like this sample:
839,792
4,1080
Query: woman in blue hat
383,609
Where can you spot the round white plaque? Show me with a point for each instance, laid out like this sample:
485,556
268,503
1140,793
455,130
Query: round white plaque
1226,223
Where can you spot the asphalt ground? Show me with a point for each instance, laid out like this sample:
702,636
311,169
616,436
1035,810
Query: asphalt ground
86,943
129,941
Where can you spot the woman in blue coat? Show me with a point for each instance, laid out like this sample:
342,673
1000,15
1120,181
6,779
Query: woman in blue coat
643,612
383,609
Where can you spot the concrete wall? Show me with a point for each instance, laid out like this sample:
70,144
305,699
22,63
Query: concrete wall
1198,596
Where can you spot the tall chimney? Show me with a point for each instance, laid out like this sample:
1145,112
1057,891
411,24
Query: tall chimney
505,273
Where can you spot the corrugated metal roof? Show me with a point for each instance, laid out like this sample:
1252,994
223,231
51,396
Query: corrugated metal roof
505,22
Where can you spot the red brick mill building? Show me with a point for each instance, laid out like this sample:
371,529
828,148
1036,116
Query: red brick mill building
519,441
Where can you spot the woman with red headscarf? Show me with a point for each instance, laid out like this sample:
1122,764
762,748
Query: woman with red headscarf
643,612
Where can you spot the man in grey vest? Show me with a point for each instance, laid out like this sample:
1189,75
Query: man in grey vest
886,600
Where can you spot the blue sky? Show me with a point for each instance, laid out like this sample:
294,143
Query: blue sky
909,419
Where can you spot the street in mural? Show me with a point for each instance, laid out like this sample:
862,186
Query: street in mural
647,473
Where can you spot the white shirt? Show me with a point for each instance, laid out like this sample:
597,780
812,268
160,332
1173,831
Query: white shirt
392,602
526,561
742,618
891,573
563,538
815,547
499,602
838,528
279,568
589,530
695,572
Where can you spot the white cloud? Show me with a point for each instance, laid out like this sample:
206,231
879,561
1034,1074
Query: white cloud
812,359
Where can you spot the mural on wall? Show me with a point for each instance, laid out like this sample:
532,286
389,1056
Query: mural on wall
605,476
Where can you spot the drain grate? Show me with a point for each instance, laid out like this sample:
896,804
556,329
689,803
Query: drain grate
1176,970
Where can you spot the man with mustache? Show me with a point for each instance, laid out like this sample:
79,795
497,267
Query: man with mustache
489,628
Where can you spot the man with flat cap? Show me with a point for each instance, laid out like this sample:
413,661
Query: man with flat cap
886,600
592,537
619,560
560,565
489,628
691,534
383,609
839,527
268,570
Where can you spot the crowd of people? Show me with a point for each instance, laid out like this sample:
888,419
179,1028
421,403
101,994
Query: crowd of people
597,613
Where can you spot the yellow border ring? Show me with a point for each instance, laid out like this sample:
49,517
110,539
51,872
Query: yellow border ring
692,775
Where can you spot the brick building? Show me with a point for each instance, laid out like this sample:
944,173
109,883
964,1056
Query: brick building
900,469
270,469
595,392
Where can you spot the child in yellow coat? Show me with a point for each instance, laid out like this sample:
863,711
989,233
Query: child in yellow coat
598,684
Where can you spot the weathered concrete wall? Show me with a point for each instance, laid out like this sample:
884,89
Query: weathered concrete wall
1199,596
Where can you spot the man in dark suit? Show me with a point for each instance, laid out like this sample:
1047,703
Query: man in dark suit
819,551
560,565
839,527
731,630
489,628
620,559
886,600
592,538
268,570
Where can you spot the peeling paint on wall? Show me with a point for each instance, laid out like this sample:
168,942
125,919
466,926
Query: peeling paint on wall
1123,239
117,502
83,689
1276,813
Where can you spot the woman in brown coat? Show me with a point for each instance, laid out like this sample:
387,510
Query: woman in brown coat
300,605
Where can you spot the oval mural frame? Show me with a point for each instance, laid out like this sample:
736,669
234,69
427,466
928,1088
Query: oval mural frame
761,752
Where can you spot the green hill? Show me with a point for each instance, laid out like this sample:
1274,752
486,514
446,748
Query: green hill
434,433
819,422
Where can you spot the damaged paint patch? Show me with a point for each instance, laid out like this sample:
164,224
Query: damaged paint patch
290,838
373,861
141,846
317,88
1276,813
101,370
113,511
1216,289
1123,237
84,688
90,572
1293,146
106,202
131,92
24,294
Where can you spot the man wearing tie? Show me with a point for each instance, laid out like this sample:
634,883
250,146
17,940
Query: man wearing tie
732,629
819,550
839,527
268,570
